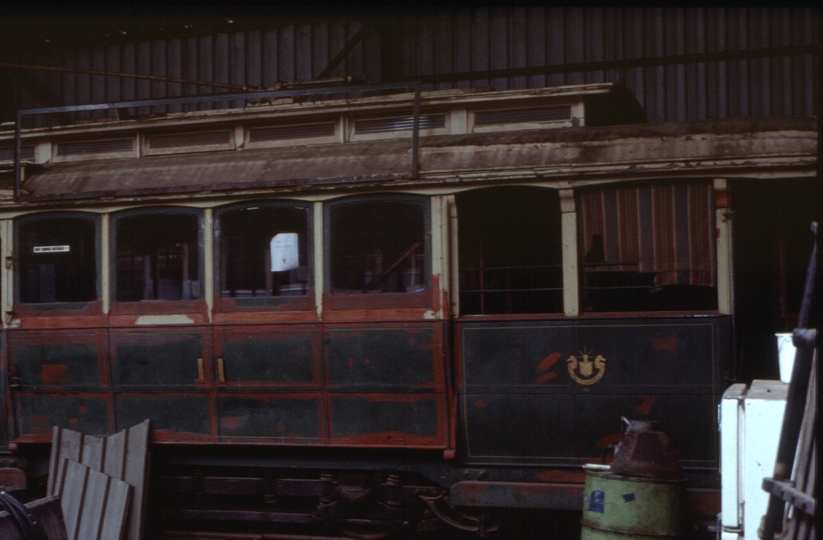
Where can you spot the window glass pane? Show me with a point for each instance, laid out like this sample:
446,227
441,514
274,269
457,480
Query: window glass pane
263,252
157,257
510,251
648,248
378,247
58,260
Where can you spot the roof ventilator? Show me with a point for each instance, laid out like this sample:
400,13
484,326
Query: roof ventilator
522,116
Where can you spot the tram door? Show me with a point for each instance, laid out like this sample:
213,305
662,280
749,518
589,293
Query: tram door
772,244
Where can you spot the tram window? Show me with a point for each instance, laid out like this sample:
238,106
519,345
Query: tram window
157,257
510,251
58,260
263,252
378,246
648,248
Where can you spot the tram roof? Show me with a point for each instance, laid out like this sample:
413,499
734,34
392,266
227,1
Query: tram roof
697,148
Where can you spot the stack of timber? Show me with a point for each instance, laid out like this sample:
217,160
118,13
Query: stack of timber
799,521
101,482
792,503
44,511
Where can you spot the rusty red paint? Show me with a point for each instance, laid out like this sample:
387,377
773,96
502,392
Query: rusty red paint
545,365
12,478
54,373
231,422
564,477
721,198
350,362
365,361
389,439
480,404
473,487
549,361
611,438
703,501
32,316
668,343
547,377
74,421
532,488
36,419
646,406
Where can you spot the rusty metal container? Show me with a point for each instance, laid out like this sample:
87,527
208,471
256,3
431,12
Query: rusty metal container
631,508
645,451
641,495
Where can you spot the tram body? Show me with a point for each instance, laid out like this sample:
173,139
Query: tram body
323,320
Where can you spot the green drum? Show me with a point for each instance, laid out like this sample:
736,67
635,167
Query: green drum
632,507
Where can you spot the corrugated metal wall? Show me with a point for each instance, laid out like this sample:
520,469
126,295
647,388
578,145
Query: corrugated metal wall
492,39
438,46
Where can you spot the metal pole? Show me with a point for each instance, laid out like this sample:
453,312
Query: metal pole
17,151
795,404
416,130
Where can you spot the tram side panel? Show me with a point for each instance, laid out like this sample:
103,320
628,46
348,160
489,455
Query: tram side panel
552,392
345,384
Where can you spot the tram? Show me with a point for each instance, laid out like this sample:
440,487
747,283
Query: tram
382,309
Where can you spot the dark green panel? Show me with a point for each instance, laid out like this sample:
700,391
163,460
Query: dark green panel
674,353
156,359
65,365
380,356
180,414
519,399
518,425
518,354
269,360
362,416
38,414
285,419
689,420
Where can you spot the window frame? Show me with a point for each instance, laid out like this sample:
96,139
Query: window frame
650,310
55,309
140,307
292,303
347,301
459,268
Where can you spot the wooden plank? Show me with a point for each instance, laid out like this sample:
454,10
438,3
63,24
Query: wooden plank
122,456
73,495
115,519
136,474
64,444
93,451
93,506
115,455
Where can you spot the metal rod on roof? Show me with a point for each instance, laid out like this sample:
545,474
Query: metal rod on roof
625,63
159,78
248,96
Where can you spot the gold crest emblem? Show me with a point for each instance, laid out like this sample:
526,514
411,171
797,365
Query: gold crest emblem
588,370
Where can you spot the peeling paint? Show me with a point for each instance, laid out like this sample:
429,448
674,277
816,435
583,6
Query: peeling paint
54,373
646,406
164,319
667,343
564,477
